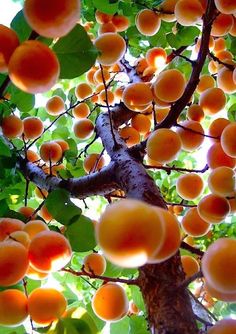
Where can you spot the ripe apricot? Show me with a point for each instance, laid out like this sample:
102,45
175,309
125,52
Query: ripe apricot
81,110
225,80
210,44
212,100
188,13
130,232
32,156
21,237
50,151
33,127
90,76
213,67
169,85
161,113
106,27
141,123
12,126
102,17
148,22
168,6
221,181
9,225
217,126
63,144
213,208
190,135
27,211
193,224
163,145
99,75
133,308
189,186
221,254
45,213
228,140
226,6
220,44
232,30
224,326
33,227
221,25
93,163
14,262
112,48
216,157
195,113
130,135
205,81
54,19
110,302
46,305
83,128
8,43
106,97
83,90
55,105
172,238
33,67
49,251
156,57
13,307
120,22
190,265
226,297
137,95
94,264
225,56
35,274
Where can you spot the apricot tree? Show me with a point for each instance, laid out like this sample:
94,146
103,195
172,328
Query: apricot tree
117,155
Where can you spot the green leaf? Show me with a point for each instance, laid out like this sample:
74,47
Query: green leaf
72,326
20,25
75,52
138,325
82,314
23,101
81,235
119,327
137,297
4,148
184,36
232,113
106,6
61,208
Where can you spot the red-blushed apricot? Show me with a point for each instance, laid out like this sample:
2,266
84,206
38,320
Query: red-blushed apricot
193,224
221,25
133,308
213,208
228,140
216,128
99,75
35,274
110,302
205,82
21,237
219,265
137,94
90,76
93,163
141,123
187,13
94,264
172,239
118,92
190,135
12,126
212,100
120,22
226,6
130,232
224,326
46,305
33,127
148,22
225,56
112,48
81,110
140,65
169,85
52,19
225,80
168,6
195,113
8,43
102,17
32,156
163,145
221,181
9,225
33,227
151,162
27,211
190,265
33,67
49,251
213,67
106,97
225,297
83,90
130,135
156,57
189,186
220,44
55,106
210,44
216,157
189,240
45,213
83,128
161,113
50,151
232,30
13,307
106,27
64,145
14,262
